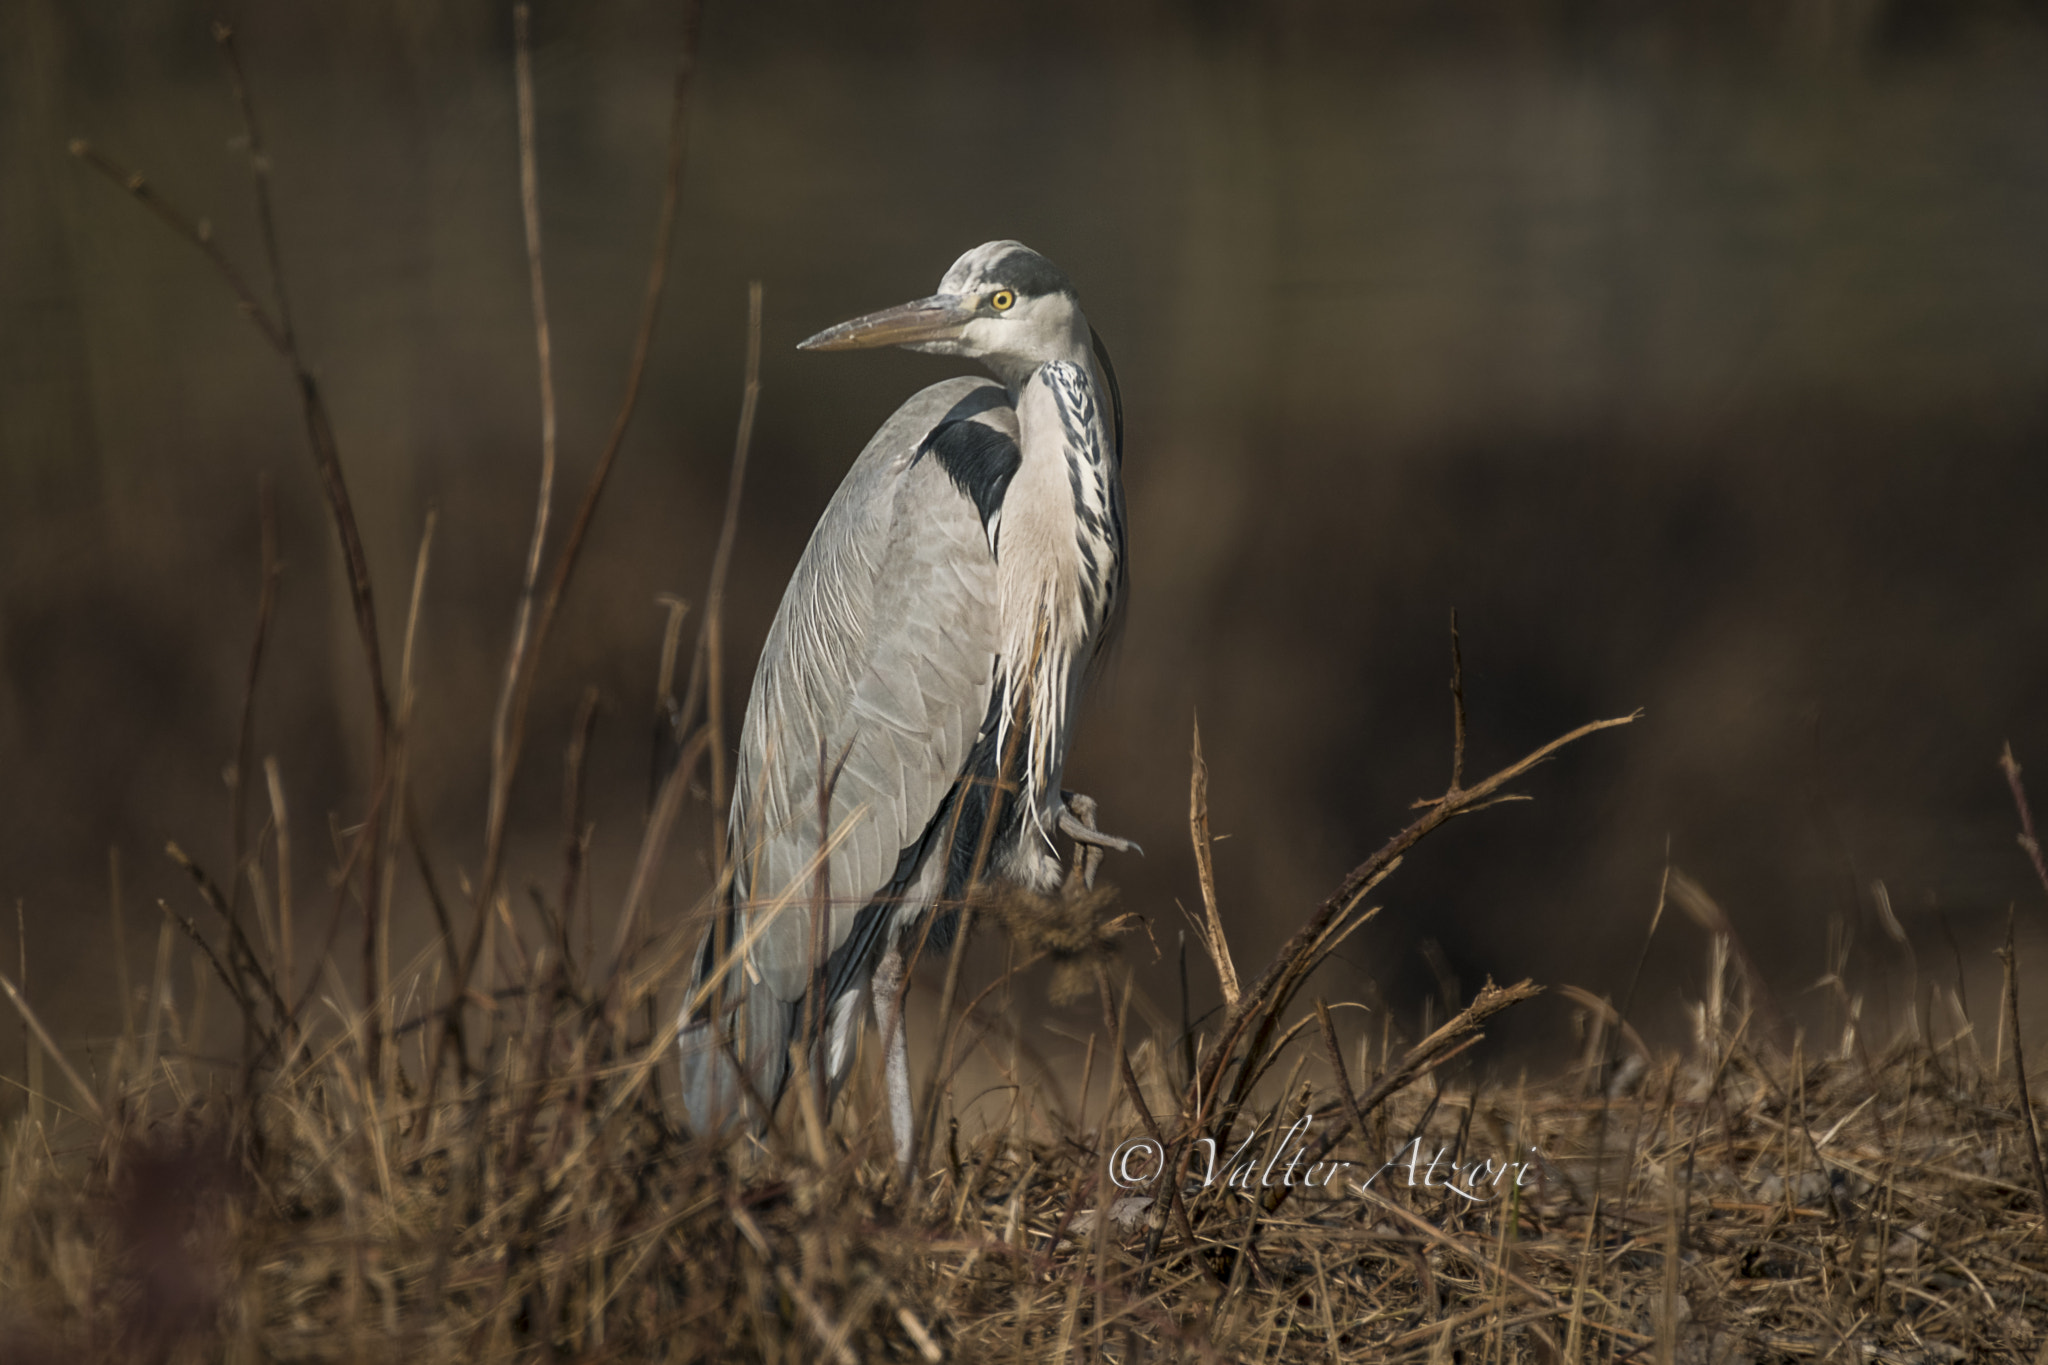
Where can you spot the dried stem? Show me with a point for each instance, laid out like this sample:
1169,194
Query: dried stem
1457,1034
2008,765
1361,879
522,624
522,670
1457,708
575,836
1210,926
710,662
2009,955
245,742
259,170
276,330
35,1025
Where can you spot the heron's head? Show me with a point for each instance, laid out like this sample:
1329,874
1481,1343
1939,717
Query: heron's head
1002,304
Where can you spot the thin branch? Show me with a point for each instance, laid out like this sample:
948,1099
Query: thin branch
198,232
529,201
2008,765
1457,1034
576,839
319,426
259,169
35,1025
245,742
1338,1070
1210,926
280,820
220,969
2010,956
1457,708
572,546
711,629
241,951
1362,879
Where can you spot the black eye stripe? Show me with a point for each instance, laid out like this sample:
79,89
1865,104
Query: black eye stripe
1027,272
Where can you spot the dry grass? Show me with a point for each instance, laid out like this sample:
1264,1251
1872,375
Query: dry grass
1842,1206
472,1158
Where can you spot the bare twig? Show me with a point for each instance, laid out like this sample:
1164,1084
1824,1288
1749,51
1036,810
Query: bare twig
1457,1034
227,978
240,952
276,331
259,170
2008,765
327,457
35,1026
1361,879
245,743
710,663
575,836
287,967
1457,708
529,201
198,232
1210,926
522,676
1338,1071
2009,955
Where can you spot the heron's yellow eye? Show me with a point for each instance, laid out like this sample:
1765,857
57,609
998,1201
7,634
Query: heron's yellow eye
1001,300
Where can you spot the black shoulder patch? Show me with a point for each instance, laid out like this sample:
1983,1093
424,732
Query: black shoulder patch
979,458
987,397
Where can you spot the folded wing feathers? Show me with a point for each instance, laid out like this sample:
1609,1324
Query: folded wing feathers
880,660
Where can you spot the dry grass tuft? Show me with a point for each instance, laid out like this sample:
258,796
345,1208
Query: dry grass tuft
1734,1202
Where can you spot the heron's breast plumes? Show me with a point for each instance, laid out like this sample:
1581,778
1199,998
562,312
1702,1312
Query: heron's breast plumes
1060,569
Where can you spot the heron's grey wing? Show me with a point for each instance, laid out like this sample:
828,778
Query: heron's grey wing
875,678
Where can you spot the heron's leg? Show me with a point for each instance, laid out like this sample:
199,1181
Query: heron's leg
1077,822
887,989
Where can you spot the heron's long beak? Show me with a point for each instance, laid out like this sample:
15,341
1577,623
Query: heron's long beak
938,318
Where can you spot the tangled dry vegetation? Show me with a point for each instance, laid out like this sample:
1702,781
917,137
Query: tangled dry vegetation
477,1161
1735,1202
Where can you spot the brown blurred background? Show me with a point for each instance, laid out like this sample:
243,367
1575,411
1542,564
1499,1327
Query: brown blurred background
1697,355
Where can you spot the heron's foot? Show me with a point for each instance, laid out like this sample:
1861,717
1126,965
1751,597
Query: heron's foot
1077,822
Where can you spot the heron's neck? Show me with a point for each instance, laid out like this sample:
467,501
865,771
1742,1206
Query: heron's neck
1059,561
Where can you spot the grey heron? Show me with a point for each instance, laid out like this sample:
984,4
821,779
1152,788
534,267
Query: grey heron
908,725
